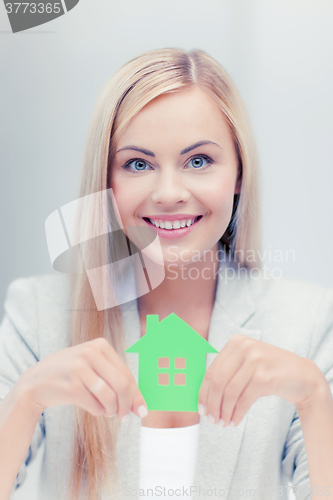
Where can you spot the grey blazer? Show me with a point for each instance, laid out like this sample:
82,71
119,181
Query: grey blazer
254,459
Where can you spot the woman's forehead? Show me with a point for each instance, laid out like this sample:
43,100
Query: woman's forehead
189,115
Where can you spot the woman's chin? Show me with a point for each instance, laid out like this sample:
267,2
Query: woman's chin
182,256
156,255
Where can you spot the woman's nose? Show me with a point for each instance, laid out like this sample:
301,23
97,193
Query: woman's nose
169,189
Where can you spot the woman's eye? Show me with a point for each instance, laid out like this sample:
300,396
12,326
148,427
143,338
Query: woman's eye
139,165
136,165
200,161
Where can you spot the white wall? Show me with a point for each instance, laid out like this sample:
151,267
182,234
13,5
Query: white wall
279,53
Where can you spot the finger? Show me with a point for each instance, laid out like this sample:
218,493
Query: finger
84,398
79,395
89,403
222,377
118,383
109,352
244,403
101,391
234,389
222,359
111,368
223,373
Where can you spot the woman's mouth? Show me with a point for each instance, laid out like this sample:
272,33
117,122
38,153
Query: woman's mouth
173,229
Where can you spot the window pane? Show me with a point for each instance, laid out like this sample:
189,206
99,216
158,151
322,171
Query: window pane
163,362
163,379
180,362
180,378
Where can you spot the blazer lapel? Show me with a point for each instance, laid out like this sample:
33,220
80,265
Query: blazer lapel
218,448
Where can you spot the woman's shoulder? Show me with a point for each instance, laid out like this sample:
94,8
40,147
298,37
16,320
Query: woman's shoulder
266,291
38,308
46,287
291,293
285,288
294,311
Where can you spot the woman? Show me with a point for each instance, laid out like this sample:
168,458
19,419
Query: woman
170,138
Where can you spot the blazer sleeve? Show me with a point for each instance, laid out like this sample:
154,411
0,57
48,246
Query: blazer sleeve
294,462
19,349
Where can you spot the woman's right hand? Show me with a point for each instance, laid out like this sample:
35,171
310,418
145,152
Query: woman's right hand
90,375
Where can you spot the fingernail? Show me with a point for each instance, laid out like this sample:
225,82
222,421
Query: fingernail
210,419
221,423
125,418
201,409
232,424
142,411
113,414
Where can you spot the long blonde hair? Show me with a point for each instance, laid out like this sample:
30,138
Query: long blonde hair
132,87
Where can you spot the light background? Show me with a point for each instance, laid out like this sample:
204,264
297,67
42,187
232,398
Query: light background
280,55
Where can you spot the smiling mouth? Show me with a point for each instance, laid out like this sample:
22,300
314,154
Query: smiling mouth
196,219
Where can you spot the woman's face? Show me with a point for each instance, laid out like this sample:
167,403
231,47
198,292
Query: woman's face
176,161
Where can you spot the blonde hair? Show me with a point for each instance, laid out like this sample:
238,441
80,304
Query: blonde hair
132,87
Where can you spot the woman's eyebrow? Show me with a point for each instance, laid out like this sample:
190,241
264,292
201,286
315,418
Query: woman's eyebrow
198,144
186,150
135,148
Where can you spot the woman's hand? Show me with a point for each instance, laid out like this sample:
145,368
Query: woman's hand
246,369
90,375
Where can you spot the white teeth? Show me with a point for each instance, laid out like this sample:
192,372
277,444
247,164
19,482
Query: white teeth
174,224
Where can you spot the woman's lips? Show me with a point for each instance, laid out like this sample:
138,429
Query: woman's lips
172,233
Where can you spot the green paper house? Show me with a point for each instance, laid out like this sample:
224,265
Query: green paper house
172,364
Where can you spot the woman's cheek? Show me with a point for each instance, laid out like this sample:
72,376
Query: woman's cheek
123,194
120,209
223,198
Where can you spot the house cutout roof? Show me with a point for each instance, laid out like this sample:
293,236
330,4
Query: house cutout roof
166,382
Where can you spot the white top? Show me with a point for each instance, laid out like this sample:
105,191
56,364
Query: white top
167,460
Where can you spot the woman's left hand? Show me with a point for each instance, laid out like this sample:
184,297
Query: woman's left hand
246,369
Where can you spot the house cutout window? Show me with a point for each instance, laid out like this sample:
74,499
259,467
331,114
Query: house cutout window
180,363
179,378
163,362
163,379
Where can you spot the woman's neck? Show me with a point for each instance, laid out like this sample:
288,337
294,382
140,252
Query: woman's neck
188,291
